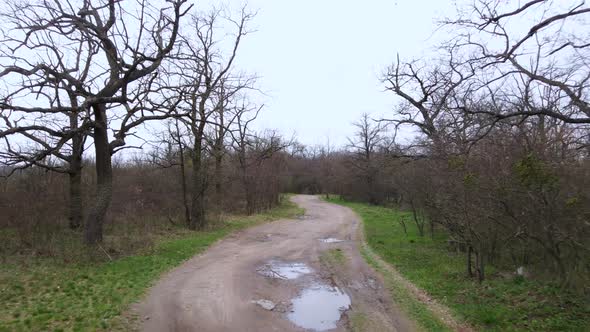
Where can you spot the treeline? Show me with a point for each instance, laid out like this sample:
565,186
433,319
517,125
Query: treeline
148,194
501,154
511,201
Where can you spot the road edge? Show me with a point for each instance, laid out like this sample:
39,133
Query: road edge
403,292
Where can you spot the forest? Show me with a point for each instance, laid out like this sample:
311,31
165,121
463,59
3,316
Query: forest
121,121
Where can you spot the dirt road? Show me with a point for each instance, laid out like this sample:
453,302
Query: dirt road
289,275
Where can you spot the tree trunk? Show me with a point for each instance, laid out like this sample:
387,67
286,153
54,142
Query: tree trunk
479,264
218,153
104,178
218,165
197,220
187,212
469,269
481,274
248,192
75,175
371,187
403,223
419,224
75,218
244,178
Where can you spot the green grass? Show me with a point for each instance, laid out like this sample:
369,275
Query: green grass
418,311
358,321
500,303
45,295
333,258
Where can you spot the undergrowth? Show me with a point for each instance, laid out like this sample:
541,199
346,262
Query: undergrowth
90,292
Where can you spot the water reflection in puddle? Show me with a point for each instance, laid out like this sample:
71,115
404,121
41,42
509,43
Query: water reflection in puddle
319,307
330,240
283,270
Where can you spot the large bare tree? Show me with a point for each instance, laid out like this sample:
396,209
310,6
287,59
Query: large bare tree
94,52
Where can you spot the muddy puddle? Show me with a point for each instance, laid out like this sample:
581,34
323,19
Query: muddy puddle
319,307
283,270
331,240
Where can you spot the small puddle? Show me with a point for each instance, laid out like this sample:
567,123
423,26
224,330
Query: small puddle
283,270
319,307
331,240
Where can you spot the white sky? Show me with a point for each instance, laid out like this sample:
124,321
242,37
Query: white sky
320,61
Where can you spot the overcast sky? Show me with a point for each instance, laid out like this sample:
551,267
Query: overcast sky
320,61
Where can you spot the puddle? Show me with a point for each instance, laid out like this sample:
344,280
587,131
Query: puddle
331,240
282,270
319,307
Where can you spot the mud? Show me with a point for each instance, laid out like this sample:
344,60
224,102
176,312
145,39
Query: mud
222,289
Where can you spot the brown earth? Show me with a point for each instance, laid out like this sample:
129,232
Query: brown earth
214,291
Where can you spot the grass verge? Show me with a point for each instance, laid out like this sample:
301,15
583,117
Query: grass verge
45,295
420,313
500,303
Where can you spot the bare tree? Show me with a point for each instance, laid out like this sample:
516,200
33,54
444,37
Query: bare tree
368,139
177,138
231,91
86,50
540,71
174,154
205,69
40,145
241,140
426,90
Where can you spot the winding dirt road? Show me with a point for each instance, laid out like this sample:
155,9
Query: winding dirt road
215,291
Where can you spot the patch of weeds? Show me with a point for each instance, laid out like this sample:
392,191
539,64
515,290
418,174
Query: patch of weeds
333,258
358,321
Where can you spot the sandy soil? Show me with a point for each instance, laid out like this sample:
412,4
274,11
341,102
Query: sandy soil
214,291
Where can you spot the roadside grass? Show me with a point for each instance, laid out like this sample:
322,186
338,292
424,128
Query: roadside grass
500,303
418,311
358,321
45,294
